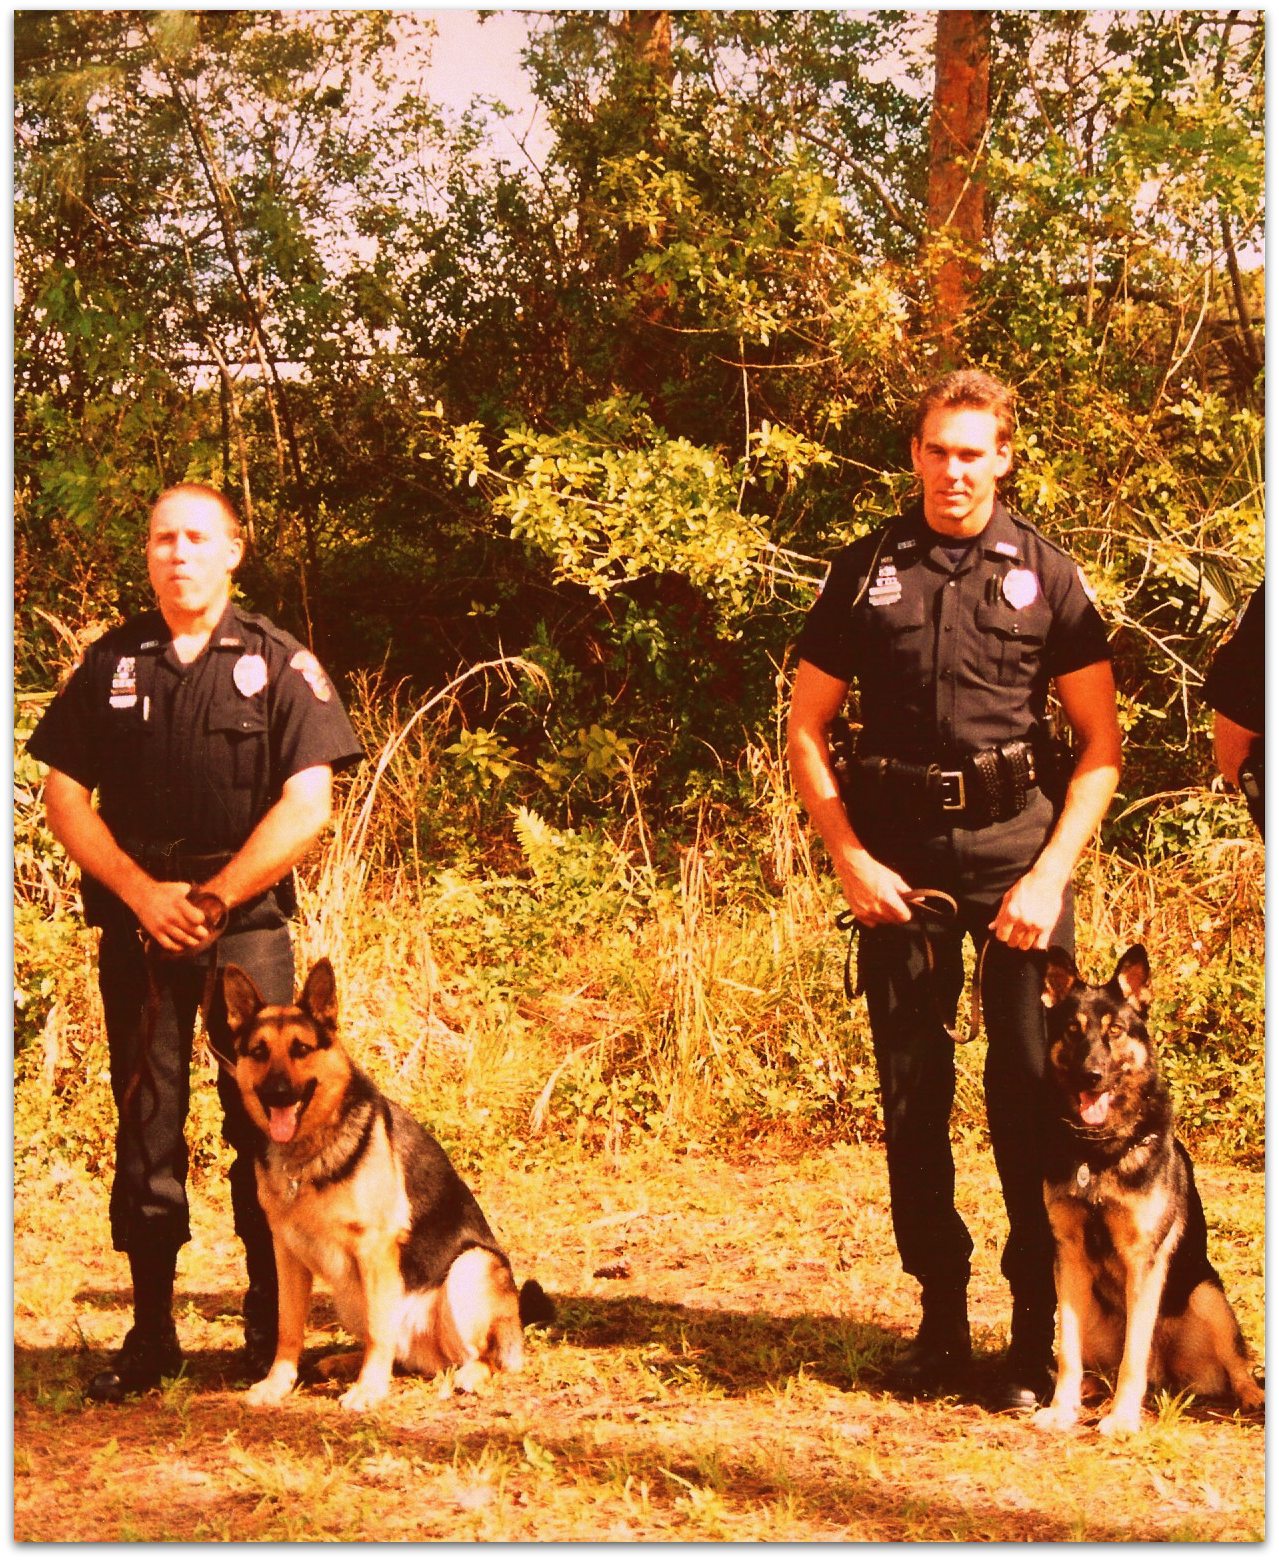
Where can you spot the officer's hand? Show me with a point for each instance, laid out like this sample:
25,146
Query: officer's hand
167,915
873,891
1029,912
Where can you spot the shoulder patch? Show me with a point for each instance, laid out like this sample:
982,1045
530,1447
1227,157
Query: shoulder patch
303,661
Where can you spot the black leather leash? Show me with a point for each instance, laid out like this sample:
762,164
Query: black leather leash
927,904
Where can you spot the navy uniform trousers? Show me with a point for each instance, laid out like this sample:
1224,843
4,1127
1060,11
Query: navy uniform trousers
908,1004
149,1209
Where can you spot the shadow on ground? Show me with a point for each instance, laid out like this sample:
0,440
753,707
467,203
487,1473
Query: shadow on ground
739,1353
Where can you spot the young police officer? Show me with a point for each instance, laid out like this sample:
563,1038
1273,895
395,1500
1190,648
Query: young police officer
953,620
211,738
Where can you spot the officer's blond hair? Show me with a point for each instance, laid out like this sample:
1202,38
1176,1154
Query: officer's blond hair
203,490
972,389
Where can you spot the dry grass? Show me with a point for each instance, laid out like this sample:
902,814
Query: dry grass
725,1386
639,1053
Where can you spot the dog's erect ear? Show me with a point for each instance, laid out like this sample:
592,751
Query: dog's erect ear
1060,977
320,995
1132,976
242,998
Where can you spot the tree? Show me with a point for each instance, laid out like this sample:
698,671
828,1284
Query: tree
956,235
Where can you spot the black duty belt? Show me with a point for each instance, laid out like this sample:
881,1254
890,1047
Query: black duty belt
173,862
988,787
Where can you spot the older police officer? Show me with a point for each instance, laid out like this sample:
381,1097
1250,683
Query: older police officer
211,738
953,620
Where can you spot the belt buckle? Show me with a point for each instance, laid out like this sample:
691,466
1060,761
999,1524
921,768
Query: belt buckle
953,796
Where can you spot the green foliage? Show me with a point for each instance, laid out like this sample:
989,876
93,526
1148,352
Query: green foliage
617,410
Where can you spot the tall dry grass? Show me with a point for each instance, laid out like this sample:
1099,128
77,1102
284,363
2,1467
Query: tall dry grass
520,980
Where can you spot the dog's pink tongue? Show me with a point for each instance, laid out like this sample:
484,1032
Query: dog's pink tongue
1093,1108
283,1122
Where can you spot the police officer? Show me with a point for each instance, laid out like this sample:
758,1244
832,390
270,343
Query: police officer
211,738
953,620
1235,690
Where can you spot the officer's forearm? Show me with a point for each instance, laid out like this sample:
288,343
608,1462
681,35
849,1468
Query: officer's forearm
818,790
79,829
277,844
1089,794
1232,744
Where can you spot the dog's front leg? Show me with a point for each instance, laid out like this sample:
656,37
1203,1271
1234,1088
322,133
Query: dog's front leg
1074,1300
379,1272
1143,1289
294,1279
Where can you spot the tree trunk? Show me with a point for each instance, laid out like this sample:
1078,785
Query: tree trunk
956,233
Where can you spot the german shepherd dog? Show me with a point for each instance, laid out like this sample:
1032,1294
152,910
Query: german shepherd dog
1135,1288
357,1193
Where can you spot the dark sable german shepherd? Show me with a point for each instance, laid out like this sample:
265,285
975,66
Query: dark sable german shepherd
358,1193
1135,1287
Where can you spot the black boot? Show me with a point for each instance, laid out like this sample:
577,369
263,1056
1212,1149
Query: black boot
1029,1371
937,1360
150,1351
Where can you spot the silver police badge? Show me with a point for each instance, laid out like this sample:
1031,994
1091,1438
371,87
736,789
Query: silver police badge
1020,588
249,675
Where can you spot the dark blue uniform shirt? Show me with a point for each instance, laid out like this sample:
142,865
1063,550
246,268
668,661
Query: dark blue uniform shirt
951,655
1236,681
192,757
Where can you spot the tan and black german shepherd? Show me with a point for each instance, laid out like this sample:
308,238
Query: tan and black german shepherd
360,1195
1135,1288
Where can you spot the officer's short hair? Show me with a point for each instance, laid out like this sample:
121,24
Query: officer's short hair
203,490
973,389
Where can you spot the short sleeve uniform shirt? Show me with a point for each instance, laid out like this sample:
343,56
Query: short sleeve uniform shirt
192,757
952,649
1236,682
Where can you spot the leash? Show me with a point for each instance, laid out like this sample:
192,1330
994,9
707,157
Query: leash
155,958
927,904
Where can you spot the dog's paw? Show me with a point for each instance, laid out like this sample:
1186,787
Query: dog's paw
361,1397
1121,1421
1057,1416
472,1376
272,1389
1251,1396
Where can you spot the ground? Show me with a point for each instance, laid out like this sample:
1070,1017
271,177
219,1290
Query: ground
715,1373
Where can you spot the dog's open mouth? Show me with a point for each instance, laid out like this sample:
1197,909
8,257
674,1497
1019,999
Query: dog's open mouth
1093,1108
283,1109
282,1122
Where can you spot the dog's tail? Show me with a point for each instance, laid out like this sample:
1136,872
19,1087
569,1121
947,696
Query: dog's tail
537,1309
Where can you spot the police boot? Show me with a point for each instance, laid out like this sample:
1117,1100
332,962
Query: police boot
938,1359
1029,1372
150,1351
261,1308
